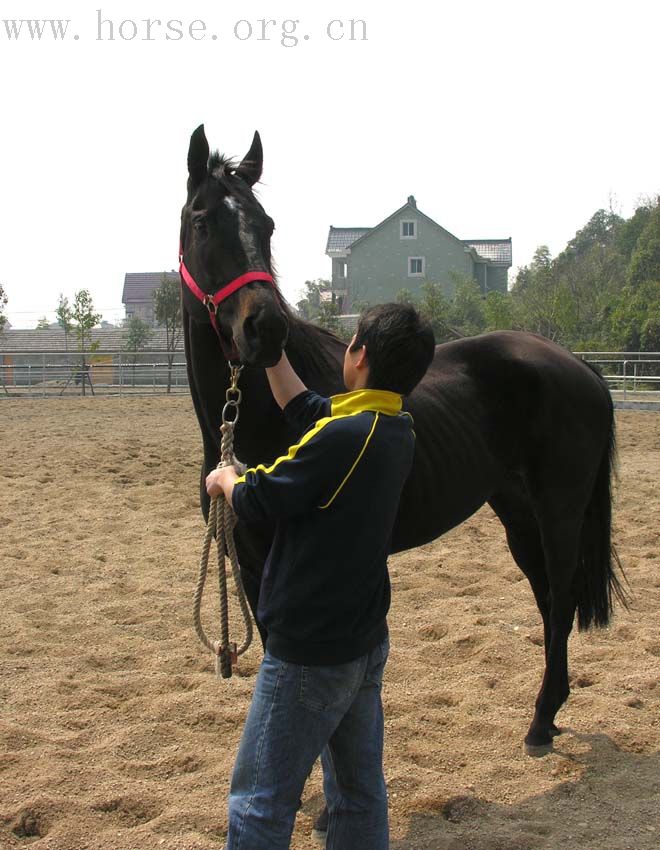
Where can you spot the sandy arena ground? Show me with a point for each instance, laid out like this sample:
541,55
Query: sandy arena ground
116,735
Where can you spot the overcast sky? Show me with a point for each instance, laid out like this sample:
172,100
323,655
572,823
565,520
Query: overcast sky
503,119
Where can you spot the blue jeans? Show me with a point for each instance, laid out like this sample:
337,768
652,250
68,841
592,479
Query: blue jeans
296,714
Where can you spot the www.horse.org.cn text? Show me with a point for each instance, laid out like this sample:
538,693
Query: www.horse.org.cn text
288,32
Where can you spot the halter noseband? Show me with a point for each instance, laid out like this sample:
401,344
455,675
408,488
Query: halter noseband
212,301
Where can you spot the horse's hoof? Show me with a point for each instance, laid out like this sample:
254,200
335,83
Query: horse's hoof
538,750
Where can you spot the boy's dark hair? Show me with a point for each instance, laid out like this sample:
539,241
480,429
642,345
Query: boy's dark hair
400,346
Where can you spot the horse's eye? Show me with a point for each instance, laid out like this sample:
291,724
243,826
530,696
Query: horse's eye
200,225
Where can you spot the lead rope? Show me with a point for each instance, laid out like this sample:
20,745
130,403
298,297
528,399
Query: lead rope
221,521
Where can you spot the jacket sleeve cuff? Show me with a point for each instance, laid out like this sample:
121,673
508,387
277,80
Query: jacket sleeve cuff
237,500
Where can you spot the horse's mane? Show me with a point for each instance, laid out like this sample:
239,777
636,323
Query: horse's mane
317,348
221,166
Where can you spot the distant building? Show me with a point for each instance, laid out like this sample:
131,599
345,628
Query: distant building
373,264
29,356
108,338
138,297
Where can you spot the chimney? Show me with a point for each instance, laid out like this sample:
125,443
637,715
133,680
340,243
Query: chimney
412,201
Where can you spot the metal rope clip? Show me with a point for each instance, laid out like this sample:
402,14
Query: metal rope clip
235,374
233,397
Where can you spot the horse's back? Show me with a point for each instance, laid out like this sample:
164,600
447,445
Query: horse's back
518,382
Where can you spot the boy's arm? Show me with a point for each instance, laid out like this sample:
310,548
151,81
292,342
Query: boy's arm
295,483
301,406
284,382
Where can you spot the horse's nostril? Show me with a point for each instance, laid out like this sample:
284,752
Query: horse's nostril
265,328
250,328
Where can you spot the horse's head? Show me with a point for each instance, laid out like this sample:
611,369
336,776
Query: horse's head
225,239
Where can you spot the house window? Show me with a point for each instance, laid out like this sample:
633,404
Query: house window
409,230
342,269
416,266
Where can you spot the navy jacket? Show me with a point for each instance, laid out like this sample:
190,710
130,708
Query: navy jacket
325,590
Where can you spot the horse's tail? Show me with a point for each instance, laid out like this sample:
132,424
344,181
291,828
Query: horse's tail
599,564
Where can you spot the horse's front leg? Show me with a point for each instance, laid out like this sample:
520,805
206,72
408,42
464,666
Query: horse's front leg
252,547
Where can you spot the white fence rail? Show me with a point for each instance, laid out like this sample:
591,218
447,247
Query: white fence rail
631,376
52,374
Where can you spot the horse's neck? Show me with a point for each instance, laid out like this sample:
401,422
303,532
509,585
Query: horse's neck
317,358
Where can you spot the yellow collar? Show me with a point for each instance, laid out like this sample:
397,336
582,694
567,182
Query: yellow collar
358,401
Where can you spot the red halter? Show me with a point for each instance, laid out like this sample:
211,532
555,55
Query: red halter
212,302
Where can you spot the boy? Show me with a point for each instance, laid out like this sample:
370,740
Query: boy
325,590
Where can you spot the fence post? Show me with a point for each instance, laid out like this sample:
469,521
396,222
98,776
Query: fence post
625,388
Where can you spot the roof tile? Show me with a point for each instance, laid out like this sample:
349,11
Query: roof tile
341,238
139,286
498,251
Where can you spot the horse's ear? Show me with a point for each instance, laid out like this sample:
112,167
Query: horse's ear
198,157
252,165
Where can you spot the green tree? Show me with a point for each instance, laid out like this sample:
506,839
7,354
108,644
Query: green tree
601,231
328,317
405,296
541,301
435,308
167,310
631,229
633,317
84,319
43,324
645,258
136,335
64,318
650,337
498,311
309,305
587,276
466,311
360,307
3,304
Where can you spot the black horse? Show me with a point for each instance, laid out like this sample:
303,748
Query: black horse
507,418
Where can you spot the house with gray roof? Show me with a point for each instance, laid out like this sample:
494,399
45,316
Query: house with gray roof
138,295
46,357
407,249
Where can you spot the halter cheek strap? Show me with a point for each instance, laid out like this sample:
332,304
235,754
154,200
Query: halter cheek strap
212,301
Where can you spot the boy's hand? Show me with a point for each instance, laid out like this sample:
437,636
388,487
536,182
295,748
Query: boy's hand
221,481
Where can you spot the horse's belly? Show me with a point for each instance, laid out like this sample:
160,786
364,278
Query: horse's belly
428,512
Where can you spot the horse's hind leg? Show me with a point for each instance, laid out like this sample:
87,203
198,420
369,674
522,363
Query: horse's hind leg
561,546
525,546
513,507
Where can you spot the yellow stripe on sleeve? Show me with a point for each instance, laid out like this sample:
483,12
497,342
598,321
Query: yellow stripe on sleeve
293,451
